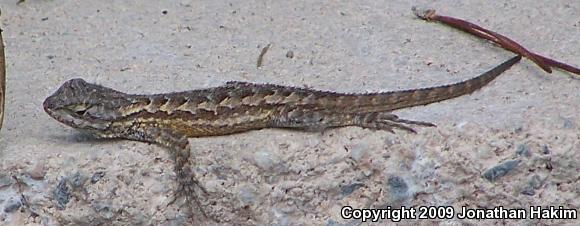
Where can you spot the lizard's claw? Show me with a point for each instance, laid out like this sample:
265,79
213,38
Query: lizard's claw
188,191
387,121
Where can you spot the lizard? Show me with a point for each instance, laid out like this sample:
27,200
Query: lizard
170,119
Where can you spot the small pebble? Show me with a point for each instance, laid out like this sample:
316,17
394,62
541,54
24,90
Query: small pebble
398,187
523,150
500,170
12,204
38,171
97,176
350,188
528,191
534,183
104,210
62,193
78,179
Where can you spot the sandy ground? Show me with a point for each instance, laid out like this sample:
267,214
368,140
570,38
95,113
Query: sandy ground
515,143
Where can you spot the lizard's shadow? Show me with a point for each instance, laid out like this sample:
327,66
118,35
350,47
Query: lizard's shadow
80,137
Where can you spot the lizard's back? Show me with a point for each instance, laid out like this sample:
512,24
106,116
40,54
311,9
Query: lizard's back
242,106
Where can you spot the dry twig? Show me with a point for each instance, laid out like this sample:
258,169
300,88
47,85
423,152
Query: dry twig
2,78
506,43
262,53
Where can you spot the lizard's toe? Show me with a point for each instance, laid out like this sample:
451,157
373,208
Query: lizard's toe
387,121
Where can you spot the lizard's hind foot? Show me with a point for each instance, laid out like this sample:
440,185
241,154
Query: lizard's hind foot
387,121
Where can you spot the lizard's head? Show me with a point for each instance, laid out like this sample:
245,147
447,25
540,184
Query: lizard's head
85,106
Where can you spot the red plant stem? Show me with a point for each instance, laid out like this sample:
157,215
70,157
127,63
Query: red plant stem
505,42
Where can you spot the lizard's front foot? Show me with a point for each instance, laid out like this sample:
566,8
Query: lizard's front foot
188,187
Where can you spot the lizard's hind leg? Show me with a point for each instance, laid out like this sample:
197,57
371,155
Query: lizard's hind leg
320,120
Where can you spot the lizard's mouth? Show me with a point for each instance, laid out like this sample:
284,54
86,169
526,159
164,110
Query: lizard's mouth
51,109
47,105
72,118
63,116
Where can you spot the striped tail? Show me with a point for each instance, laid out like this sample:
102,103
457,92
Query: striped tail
388,101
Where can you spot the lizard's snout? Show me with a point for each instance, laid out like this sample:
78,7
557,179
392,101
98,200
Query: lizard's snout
48,105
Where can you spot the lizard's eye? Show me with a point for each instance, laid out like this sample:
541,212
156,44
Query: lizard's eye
80,110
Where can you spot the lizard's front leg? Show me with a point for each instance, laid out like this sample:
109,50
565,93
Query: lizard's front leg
179,147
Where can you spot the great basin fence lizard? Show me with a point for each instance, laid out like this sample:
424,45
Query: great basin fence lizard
169,119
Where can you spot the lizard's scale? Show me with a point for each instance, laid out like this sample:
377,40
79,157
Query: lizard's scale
242,103
169,119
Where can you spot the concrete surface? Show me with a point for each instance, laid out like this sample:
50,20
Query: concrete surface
527,121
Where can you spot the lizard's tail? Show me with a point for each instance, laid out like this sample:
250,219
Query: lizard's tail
388,101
